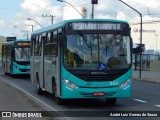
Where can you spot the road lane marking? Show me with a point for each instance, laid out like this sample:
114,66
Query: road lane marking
140,100
31,95
52,109
157,105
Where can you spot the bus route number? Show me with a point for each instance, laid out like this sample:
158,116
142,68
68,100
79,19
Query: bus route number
113,83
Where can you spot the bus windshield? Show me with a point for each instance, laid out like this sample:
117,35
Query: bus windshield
22,54
97,51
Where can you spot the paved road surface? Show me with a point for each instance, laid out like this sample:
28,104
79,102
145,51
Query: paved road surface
145,98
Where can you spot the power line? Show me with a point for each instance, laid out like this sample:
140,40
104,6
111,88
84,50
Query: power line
146,22
52,16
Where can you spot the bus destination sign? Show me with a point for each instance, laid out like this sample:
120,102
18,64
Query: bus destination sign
96,26
24,44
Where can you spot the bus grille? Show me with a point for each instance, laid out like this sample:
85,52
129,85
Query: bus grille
98,77
24,70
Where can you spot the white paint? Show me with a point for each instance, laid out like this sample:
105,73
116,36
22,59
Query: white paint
157,105
140,100
53,109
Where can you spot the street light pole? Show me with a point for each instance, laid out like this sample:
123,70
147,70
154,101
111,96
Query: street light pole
25,31
140,69
156,41
92,11
16,35
31,26
35,21
72,6
93,2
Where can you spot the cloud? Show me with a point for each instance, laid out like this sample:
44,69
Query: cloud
34,9
2,24
106,9
109,9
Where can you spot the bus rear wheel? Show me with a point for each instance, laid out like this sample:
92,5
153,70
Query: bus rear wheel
111,101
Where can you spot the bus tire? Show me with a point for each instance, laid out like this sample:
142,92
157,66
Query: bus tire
5,70
111,101
58,100
39,90
11,74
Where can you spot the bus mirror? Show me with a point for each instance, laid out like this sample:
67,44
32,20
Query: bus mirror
60,40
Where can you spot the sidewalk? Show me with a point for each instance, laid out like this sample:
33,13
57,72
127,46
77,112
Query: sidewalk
149,76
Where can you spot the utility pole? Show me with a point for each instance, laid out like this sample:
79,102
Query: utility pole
156,41
140,45
31,26
115,15
93,2
52,16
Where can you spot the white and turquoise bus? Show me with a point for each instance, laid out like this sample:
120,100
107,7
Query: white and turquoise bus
85,58
16,57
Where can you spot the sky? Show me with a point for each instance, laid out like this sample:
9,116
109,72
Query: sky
15,12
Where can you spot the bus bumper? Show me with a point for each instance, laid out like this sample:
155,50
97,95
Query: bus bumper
17,70
83,92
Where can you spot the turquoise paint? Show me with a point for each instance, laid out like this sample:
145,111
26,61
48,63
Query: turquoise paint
61,24
68,92
17,71
21,66
117,92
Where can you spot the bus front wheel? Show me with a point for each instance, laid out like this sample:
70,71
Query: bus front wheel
58,100
11,72
39,90
5,72
111,101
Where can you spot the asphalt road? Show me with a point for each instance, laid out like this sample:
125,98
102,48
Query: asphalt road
13,100
145,97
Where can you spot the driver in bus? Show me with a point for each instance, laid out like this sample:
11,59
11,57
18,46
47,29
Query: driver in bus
109,53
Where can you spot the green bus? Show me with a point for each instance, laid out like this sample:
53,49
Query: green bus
16,57
83,58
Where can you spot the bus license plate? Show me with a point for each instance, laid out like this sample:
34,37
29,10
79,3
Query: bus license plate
98,93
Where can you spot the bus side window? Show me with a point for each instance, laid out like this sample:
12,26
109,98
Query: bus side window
36,45
39,44
32,44
53,44
3,51
47,42
8,52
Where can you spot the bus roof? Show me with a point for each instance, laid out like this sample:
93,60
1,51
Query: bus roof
17,40
74,20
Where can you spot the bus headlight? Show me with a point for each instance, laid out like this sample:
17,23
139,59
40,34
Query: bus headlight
126,84
70,84
17,68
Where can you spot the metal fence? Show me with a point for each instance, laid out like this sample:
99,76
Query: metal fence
149,62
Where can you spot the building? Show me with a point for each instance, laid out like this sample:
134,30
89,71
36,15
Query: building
150,34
